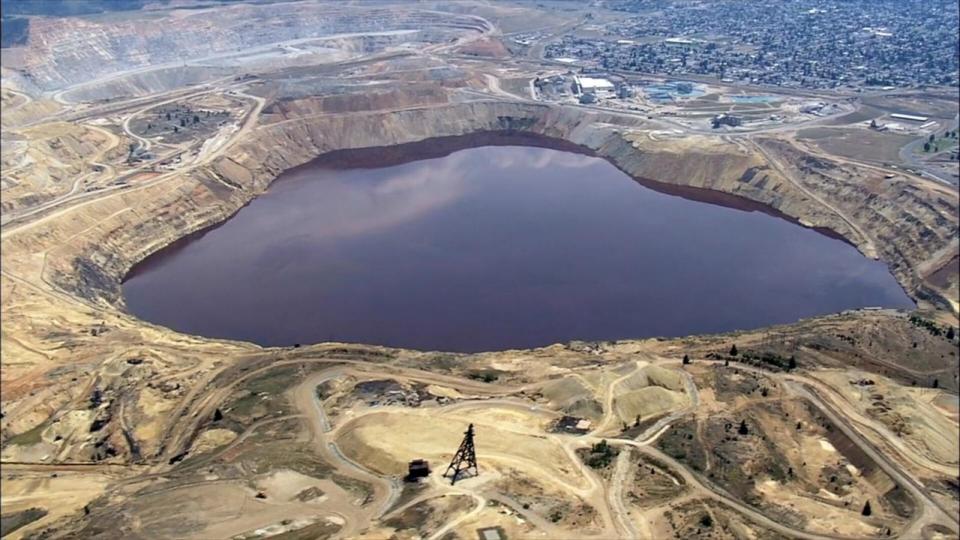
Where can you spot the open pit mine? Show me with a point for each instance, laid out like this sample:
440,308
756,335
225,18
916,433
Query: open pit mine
388,270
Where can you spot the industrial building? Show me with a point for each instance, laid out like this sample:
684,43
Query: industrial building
726,120
491,533
909,117
418,468
598,87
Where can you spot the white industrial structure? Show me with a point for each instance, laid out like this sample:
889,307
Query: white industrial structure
598,87
910,117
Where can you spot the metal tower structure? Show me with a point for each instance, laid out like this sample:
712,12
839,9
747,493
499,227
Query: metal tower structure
465,460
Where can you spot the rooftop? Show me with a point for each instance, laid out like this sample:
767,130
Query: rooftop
590,82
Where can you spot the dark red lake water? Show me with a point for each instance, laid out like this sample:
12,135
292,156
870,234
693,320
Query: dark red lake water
491,248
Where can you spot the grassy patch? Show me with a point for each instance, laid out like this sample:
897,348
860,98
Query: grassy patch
679,443
361,489
410,491
939,144
266,456
317,531
411,518
15,520
262,395
28,437
273,381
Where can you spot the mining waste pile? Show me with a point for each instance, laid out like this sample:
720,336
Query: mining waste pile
263,263
491,248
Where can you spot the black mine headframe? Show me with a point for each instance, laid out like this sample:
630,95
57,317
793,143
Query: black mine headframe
464,462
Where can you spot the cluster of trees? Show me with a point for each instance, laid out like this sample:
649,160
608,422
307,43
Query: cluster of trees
487,376
930,144
185,118
601,454
788,364
933,328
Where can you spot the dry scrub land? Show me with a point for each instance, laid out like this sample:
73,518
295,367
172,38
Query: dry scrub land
114,427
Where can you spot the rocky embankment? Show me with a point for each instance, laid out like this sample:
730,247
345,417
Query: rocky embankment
68,318
896,221
61,52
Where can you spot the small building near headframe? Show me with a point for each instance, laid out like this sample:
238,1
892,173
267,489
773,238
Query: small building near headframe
417,469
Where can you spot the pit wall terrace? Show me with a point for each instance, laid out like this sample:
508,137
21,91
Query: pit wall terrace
907,225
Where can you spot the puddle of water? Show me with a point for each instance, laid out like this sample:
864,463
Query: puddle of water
669,91
755,99
437,246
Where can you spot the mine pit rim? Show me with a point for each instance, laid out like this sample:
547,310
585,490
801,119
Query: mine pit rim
438,147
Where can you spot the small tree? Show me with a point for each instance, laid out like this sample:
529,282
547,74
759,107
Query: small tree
866,509
636,421
936,383
743,428
733,350
950,333
792,365
601,454
932,137
686,359
926,147
726,362
873,124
